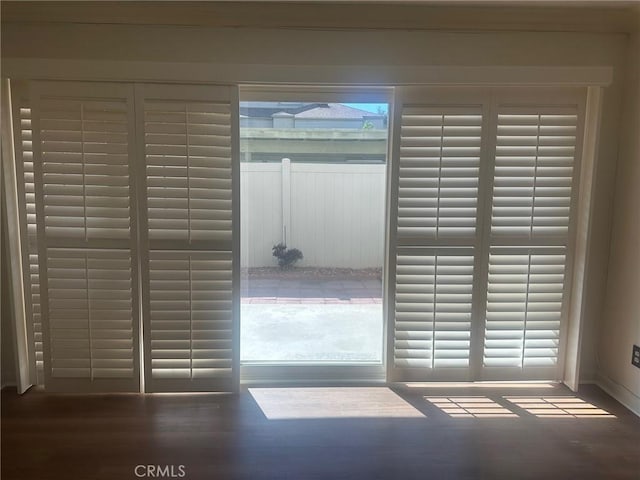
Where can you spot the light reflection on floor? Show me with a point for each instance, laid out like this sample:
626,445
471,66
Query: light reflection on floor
559,407
467,385
332,402
476,407
382,402
566,406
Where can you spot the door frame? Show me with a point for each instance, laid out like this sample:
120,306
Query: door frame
328,373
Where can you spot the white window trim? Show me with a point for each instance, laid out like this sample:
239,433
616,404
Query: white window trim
583,220
23,352
287,74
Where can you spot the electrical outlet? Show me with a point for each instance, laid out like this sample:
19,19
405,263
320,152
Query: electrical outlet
635,359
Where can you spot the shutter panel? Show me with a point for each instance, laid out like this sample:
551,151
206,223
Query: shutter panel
433,308
83,152
91,317
535,166
439,169
190,309
190,317
452,320
535,154
524,307
438,182
85,168
188,153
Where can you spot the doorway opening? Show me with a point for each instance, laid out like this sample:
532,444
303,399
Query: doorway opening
313,194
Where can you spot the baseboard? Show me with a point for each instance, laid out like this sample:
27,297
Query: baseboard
8,385
620,393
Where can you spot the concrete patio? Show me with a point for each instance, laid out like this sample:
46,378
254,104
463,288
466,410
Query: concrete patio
311,320
320,291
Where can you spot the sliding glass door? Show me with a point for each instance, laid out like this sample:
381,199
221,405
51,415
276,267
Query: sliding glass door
313,195
180,238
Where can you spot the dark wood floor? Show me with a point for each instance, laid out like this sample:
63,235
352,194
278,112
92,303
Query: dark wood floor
84,437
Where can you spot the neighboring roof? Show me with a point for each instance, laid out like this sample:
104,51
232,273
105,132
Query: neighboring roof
310,110
334,110
268,109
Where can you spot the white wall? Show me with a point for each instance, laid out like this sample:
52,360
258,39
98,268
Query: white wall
260,212
337,214
321,123
366,56
620,327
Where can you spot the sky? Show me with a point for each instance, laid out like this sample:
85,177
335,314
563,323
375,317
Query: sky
370,107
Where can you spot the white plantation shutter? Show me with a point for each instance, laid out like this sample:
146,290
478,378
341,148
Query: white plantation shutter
433,308
436,238
188,153
529,240
535,154
439,173
483,188
524,307
83,157
483,232
190,332
85,207
91,316
27,209
85,169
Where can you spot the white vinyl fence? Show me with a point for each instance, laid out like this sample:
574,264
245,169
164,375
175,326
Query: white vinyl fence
333,213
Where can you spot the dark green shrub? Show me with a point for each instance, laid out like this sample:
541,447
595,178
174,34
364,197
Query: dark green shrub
286,256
